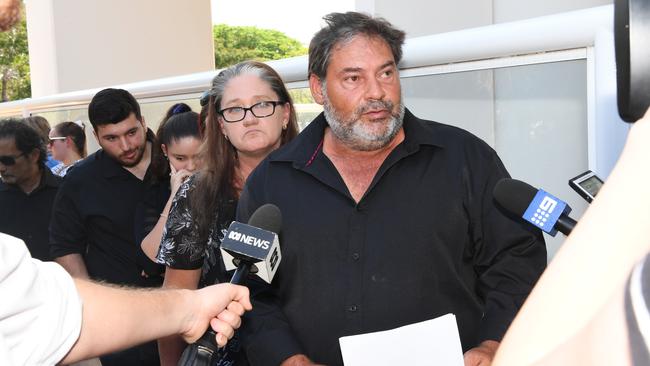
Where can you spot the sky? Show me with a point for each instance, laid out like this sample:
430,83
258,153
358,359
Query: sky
298,19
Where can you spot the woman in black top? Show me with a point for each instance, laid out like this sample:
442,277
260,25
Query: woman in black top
251,115
178,140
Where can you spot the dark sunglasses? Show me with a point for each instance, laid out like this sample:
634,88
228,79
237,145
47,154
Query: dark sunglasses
10,160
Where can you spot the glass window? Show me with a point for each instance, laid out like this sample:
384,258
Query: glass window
534,116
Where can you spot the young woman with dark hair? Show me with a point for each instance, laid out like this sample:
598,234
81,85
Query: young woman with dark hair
178,140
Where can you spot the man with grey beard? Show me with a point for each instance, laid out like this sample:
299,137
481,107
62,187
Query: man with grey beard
388,219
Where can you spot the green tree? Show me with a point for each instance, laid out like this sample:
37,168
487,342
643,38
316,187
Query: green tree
14,63
301,96
233,44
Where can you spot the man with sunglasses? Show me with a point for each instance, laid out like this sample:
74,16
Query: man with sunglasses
27,187
92,234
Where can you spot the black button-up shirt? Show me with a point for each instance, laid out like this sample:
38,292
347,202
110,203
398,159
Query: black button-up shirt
94,215
27,216
425,240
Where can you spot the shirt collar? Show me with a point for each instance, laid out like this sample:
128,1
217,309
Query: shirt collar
301,150
419,132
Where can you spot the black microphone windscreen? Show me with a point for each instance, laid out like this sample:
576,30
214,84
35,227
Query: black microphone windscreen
514,195
267,217
632,50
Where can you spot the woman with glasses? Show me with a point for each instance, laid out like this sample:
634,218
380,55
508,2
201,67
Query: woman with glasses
251,114
67,143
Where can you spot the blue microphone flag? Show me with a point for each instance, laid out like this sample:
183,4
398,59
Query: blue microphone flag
545,210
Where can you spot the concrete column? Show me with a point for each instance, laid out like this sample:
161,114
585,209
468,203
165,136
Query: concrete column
77,45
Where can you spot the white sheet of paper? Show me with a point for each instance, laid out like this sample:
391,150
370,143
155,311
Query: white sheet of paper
431,342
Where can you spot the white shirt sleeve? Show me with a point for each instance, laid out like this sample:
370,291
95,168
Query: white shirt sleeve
40,308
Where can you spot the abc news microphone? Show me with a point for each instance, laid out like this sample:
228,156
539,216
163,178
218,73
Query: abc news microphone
537,207
253,247
246,248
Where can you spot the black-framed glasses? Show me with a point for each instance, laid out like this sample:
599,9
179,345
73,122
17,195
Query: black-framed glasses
8,160
259,110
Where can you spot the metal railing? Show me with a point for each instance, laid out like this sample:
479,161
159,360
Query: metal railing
525,41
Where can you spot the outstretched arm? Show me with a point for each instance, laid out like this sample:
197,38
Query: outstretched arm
115,318
170,348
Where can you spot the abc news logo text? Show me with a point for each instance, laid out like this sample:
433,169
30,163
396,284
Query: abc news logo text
249,240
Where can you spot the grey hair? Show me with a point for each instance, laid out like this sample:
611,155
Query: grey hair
220,81
341,28
259,69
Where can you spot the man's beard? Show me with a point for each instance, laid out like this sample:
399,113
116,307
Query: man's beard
355,133
138,156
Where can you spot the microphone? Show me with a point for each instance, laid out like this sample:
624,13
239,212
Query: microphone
247,248
538,207
253,247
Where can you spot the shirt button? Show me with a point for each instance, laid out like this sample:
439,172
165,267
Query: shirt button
355,256
352,308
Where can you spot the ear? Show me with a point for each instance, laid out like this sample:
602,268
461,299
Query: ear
68,141
163,147
315,85
34,155
144,124
221,125
287,113
96,137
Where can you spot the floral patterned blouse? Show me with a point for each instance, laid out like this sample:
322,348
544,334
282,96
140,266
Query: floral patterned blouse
181,246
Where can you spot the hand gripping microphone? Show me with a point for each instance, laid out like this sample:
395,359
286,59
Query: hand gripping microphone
538,207
247,248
